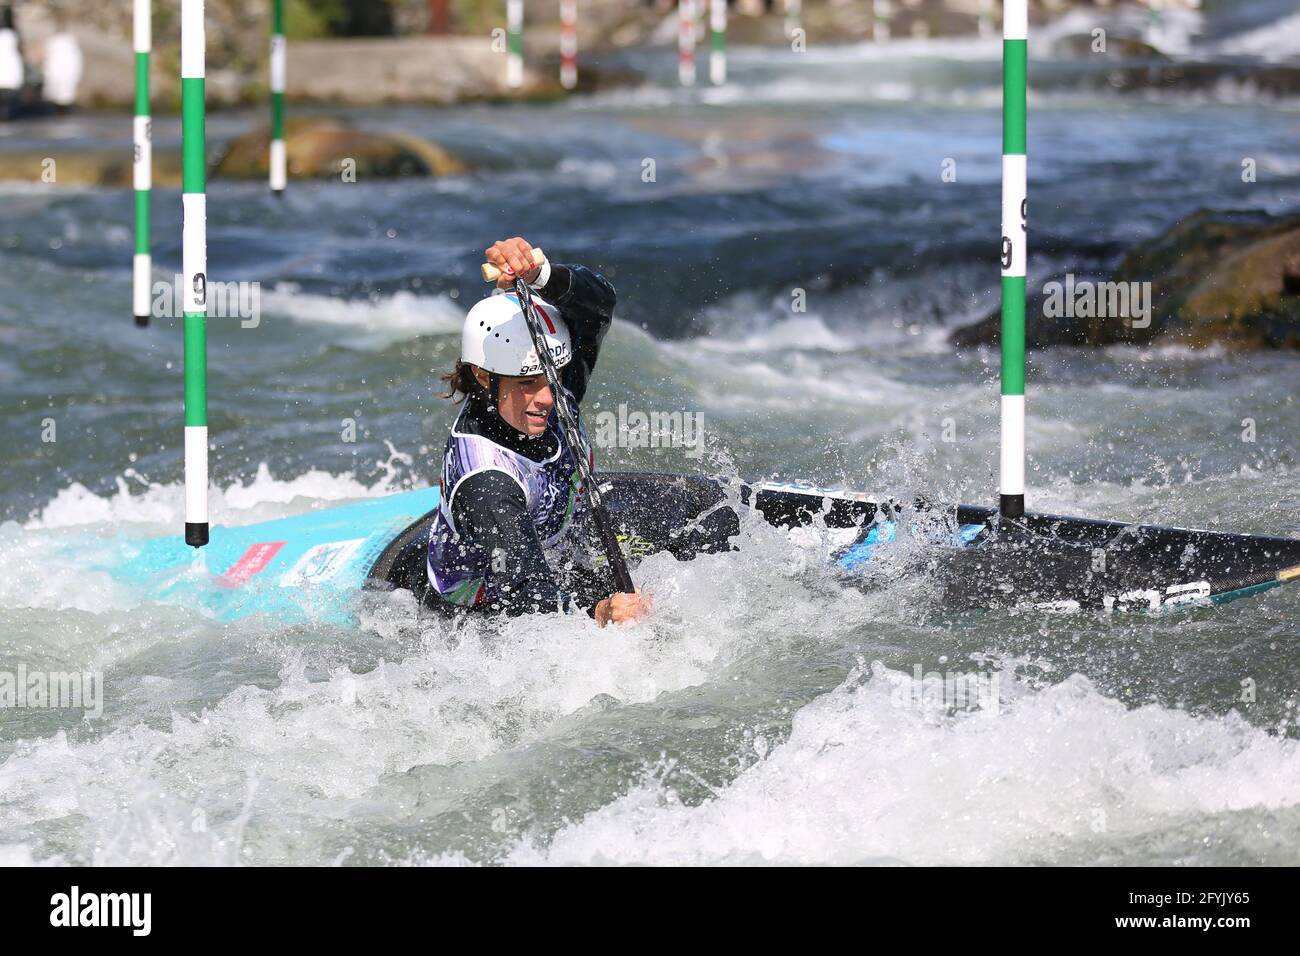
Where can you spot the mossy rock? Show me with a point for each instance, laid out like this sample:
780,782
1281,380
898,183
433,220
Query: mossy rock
1079,46
1273,80
1217,278
112,168
1223,279
316,147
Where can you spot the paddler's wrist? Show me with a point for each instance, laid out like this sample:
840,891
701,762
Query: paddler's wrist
543,277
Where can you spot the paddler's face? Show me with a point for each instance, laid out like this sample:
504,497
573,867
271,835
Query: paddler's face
523,402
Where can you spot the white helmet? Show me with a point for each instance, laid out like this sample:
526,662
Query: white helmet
495,337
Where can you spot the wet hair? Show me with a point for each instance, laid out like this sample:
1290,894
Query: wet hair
461,382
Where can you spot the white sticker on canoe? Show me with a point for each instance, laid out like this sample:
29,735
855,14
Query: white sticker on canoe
801,488
322,562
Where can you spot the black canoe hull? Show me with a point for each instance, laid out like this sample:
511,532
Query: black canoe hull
975,558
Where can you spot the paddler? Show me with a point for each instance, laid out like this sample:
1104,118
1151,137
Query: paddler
510,535
62,67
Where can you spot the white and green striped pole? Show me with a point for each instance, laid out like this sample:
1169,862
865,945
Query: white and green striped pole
514,43
1015,64
142,265
686,42
880,29
194,269
1155,24
792,17
278,173
568,43
718,42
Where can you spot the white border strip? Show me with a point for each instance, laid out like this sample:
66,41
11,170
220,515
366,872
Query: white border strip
194,251
1015,19
196,474
193,40
1015,188
143,27
1012,475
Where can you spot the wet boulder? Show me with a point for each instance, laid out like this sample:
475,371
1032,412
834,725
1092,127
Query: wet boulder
1215,279
78,167
1218,278
1117,47
316,148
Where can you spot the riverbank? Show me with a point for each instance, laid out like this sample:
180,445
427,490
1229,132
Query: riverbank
413,67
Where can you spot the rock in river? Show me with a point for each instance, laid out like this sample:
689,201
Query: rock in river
316,147
1217,278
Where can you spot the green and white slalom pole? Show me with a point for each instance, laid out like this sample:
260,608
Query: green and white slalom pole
1155,24
792,17
278,174
568,43
1015,64
880,28
142,265
514,43
718,42
686,42
194,269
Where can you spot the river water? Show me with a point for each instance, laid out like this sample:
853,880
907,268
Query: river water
767,712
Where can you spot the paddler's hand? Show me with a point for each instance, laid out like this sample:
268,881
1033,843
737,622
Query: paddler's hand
623,608
514,257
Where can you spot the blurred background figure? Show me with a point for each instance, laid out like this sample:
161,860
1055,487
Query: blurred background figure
63,66
439,17
11,64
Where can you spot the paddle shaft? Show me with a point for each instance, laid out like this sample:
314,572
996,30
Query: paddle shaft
569,433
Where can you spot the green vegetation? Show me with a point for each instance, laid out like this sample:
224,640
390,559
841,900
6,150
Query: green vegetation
309,19
478,16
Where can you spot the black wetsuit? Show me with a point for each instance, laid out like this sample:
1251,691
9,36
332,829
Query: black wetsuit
489,508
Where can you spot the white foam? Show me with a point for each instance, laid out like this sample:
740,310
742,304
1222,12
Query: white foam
805,332
18,854
151,503
95,532
588,171
869,776
316,750
1278,41
381,321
